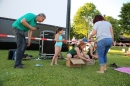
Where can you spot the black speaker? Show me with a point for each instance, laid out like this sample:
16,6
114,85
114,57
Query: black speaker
45,46
65,47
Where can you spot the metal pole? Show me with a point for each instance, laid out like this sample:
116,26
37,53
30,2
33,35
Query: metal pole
68,20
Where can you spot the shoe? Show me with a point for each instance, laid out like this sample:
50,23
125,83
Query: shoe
20,67
113,65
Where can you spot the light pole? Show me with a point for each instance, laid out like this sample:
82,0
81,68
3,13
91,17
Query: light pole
89,20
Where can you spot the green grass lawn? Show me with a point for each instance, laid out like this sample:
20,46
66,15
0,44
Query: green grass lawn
60,75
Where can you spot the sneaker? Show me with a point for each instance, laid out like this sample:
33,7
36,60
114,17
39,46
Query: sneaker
113,65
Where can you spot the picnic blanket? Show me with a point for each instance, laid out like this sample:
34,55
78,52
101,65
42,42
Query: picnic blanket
124,69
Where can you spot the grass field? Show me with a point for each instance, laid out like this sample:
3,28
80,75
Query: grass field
60,75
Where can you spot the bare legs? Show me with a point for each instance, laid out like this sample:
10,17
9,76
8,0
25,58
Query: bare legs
68,56
105,67
55,57
102,68
86,58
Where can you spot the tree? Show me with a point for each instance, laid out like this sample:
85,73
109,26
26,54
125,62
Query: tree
125,18
115,25
126,35
79,25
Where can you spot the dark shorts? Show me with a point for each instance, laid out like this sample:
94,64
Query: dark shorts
72,55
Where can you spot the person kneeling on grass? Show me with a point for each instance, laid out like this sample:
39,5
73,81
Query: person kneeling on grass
77,52
92,52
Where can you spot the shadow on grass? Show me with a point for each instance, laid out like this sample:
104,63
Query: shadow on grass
1,82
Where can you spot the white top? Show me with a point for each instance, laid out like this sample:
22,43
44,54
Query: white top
103,30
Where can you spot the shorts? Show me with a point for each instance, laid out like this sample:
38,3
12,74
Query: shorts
72,55
58,45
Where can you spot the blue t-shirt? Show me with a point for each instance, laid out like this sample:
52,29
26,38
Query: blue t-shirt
30,18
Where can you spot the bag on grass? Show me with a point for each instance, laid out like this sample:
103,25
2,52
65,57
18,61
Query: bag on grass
11,54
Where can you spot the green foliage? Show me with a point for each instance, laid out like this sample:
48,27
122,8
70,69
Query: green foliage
60,75
115,26
125,17
79,25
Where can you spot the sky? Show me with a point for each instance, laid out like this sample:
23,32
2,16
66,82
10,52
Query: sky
55,12
106,7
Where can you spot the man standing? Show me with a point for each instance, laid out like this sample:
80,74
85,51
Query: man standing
25,23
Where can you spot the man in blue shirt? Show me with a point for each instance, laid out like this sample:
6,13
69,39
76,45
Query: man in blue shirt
23,24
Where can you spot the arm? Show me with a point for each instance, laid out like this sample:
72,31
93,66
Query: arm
111,30
86,56
91,51
56,37
79,54
24,22
29,35
94,32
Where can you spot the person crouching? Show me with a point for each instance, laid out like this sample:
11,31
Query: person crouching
77,52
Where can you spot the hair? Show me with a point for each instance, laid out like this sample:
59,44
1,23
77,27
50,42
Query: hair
42,14
81,44
98,18
59,29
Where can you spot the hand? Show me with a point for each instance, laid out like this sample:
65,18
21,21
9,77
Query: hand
113,42
64,40
33,28
28,44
